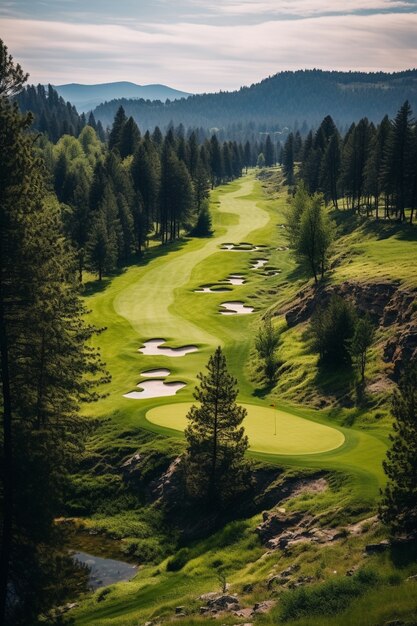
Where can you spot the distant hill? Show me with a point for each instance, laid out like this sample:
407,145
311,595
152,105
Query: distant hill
285,99
87,97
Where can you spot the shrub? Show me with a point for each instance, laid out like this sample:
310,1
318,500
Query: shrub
145,550
331,597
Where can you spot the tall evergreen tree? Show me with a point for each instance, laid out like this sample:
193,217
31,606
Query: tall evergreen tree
398,507
269,152
43,364
397,160
119,122
216,441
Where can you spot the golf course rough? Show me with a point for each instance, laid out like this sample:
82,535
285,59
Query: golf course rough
269,430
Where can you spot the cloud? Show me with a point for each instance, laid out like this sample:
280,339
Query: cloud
301,8
205,57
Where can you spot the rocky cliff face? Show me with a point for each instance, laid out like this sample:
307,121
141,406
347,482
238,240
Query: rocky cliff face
387,304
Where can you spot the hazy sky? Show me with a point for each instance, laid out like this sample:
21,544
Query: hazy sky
205,45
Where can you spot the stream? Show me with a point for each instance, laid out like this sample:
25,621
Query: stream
103,571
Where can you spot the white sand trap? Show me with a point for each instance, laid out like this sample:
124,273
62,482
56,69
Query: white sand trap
158,373
239,247
258,263
272,273
153,347
282,248
235,279
154,389
236,308
210,289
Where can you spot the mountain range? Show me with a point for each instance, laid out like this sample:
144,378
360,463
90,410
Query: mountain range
87,97
285,99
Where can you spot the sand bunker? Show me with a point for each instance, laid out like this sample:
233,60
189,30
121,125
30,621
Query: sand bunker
211,289
154,389
153,347
236,308
282,248
235,279
239,247
258,263
162,372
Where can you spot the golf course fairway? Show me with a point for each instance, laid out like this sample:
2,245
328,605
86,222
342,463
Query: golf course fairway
155,299
269,430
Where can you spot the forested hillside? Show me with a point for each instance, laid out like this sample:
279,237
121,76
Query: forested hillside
286,99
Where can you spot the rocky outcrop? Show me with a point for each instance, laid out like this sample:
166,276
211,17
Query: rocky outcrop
282,531
385,302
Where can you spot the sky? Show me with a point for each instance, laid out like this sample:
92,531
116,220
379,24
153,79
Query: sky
205,45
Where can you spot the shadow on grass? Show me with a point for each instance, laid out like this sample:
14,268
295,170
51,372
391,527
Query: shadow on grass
96,286
337,382
384,229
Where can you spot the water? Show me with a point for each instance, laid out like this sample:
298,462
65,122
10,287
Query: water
105,572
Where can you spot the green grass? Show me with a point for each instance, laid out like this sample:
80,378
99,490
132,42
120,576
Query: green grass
269,430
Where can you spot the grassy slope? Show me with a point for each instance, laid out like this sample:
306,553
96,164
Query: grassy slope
164,289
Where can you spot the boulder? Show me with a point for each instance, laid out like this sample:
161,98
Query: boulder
376,548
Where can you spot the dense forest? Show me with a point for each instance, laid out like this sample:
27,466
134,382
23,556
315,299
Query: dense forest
286,99
371,169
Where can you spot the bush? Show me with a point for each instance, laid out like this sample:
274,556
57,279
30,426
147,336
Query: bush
331,597
177,562
145,550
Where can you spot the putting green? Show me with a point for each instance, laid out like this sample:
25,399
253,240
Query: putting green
294,435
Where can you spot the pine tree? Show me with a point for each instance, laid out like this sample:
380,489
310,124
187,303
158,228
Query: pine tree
397,161
129,138
44,362
330,170
216,441
216,162
266,342
398,507
361,342
288,159
269,153
12,77
315,237
119,123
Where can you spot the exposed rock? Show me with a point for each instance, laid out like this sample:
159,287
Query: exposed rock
169,485
263,607
248,588
179,609
244,612
413,578
376,548
384,302
274,523
224,603
360,527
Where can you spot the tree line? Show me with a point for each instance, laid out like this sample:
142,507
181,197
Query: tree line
118,195
52,115
47,368
371,169
289,98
